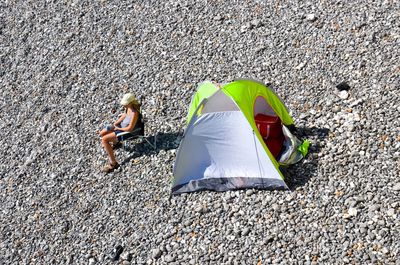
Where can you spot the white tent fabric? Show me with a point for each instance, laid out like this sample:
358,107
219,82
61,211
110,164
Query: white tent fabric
219,102
221,152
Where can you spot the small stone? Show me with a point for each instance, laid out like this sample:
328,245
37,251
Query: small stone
30,159
268,239
156,253
351,212
256,23
371,235
311,17
355,103
260,48
245,27
126,256
249,192
385,250
359,199
69,259
43,128
92,261
300,66
346,244
117,251
343,86
343,94
390,212
374,207
218,17
276,207
245,231
169,258
336,109
396,187
200,209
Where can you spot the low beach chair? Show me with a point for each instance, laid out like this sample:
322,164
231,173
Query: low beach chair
138,133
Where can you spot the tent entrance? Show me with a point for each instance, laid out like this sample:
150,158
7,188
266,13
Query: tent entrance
287,153
261,106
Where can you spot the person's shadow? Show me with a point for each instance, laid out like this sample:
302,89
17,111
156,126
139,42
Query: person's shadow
152,144
298,174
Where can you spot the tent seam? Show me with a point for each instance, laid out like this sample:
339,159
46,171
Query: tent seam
258,158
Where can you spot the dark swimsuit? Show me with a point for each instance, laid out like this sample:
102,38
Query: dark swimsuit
137,130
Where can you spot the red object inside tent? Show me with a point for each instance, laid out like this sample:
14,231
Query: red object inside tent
270,128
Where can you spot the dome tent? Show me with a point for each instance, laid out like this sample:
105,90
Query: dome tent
222,149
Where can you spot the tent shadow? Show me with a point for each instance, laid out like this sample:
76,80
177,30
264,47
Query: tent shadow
296,175
299,174
140,147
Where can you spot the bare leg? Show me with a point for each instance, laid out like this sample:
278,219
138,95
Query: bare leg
104,132
106,140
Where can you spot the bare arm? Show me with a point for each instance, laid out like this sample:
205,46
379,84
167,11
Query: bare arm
132,123
120,119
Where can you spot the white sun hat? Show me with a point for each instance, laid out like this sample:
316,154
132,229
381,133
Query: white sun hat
128,98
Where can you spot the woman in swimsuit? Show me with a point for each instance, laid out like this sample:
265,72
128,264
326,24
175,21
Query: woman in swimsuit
120,130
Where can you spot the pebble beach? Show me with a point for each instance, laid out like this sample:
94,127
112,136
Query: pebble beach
64,65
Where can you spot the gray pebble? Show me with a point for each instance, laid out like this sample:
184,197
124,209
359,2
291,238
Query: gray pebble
311,17
245,231
156,253
169,258
396,187
343,94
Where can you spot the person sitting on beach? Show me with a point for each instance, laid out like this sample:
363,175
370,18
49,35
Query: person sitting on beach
121,130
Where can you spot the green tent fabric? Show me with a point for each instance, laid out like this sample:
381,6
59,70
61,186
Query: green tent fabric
204,90
244,93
